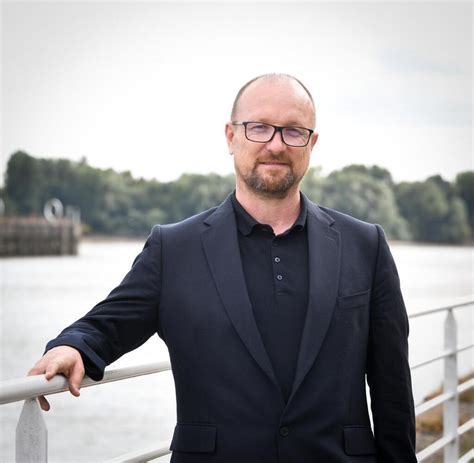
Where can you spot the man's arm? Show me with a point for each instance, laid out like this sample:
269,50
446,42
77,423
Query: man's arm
388,371
115,326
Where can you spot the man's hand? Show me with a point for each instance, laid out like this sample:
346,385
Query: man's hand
61,359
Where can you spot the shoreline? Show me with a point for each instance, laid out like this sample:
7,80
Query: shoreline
429,425
97,237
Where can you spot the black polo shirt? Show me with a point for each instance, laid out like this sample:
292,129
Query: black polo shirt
276,274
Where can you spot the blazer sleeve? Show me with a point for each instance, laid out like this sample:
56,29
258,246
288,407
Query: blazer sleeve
388,370
125,319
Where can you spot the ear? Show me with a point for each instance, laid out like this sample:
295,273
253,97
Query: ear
229,134
314,139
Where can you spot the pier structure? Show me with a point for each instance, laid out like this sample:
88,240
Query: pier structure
55,233
31,432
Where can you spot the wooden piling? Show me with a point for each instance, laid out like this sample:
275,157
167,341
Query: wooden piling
35,236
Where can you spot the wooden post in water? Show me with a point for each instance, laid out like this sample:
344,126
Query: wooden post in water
35,236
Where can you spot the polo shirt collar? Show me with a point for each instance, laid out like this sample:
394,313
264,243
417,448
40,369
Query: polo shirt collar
246,223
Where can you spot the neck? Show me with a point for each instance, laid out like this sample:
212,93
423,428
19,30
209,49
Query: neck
279,213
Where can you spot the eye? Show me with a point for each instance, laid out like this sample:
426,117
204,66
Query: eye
258,128
294,132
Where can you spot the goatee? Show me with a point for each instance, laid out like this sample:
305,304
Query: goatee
269,187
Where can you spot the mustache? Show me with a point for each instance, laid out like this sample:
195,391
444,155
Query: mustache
272,157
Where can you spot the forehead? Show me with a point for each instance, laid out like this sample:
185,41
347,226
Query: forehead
281,102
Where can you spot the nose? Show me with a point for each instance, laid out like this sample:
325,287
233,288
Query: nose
276,143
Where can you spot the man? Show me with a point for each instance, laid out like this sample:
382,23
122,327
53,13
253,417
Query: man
273,310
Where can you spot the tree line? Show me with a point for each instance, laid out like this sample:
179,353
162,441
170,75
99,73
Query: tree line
116,203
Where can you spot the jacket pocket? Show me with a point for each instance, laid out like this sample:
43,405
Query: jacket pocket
198,438
353,300
359,440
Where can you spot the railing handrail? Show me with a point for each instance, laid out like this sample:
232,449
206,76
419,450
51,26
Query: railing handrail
19,389
442,355
464,301
443,397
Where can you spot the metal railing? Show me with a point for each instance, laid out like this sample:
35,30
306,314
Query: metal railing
31,432
449,397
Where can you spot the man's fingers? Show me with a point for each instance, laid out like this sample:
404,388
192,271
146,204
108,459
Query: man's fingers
75,379
34,372
38,369
63,360
52,369
44,404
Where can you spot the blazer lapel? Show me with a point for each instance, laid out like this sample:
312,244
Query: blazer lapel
324,263
221,247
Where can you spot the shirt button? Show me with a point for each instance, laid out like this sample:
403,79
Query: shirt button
284,431
277,259
279,277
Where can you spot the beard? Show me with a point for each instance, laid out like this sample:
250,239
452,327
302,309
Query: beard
269,186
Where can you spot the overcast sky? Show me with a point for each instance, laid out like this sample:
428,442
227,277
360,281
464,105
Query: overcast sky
147,87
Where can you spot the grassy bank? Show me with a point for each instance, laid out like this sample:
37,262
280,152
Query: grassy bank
429,425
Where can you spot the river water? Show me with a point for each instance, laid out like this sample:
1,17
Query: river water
41,295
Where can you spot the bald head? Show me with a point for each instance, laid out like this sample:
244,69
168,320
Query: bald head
277,80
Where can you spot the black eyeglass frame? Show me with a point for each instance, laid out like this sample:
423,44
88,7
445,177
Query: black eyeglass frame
276,128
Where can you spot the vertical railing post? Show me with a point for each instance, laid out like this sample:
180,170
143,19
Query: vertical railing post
450,385
31,435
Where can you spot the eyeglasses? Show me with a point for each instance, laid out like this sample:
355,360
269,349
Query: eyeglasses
259,132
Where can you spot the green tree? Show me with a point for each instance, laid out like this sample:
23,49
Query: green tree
455,228
376,172
465,189
22,184
193,193
313,184
117,203
356,192
433,212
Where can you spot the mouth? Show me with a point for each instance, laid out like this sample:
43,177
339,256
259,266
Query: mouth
273,163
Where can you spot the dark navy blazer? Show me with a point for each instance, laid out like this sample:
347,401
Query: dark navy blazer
188,285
